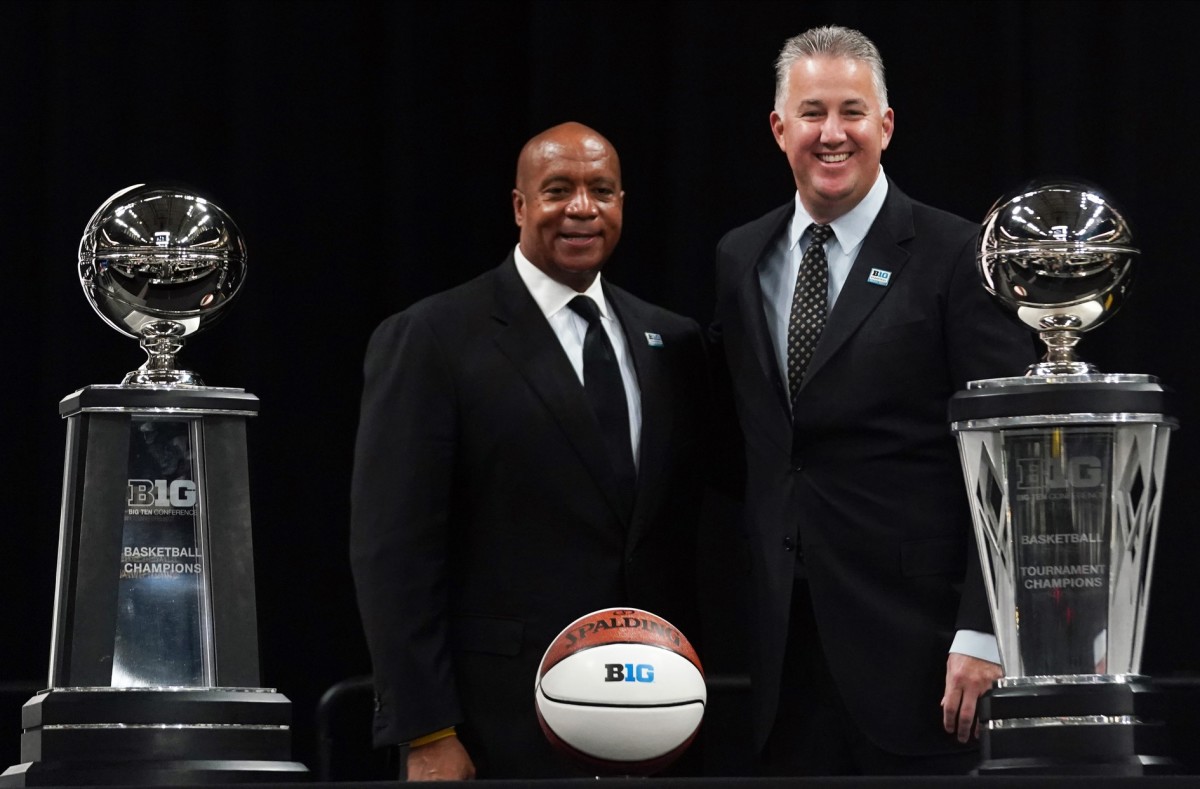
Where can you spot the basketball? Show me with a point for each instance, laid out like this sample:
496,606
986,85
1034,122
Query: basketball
621,691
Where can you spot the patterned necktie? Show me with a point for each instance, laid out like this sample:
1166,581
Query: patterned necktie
605,392
808,306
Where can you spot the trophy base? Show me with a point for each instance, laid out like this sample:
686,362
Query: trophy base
161,736
1117,728
186,772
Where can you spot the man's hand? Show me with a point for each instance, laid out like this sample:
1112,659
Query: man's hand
967,679
441,760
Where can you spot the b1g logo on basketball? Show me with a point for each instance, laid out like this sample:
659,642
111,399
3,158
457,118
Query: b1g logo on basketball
628,672
160,493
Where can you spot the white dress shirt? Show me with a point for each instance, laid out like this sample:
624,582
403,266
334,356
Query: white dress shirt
570,327
777,272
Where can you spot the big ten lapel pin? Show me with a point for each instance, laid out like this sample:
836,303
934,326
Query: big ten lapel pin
879,277
654,340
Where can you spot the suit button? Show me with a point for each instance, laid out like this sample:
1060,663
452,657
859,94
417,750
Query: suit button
789,544
797,467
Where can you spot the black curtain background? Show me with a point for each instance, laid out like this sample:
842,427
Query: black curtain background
367,150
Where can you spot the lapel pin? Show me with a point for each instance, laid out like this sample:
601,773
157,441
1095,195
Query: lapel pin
654,340
879,277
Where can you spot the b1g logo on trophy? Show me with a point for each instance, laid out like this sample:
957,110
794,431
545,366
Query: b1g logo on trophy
154,650
1064,470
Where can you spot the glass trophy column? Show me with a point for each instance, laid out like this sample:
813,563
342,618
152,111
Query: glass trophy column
154,653
1065,479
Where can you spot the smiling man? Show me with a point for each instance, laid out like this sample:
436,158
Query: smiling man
527,453
568,202
848,317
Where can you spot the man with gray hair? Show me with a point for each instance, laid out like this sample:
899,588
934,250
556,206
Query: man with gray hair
848,318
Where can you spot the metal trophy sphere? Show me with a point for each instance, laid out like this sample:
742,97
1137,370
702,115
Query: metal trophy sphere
1060,257
1064,469
161,263
154,674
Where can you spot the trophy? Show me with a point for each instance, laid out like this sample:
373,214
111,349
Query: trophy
154,650
1064,470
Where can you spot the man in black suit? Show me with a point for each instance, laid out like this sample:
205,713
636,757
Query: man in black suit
870,608
494,501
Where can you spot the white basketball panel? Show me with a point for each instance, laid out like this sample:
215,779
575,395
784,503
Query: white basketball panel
624,734
633,674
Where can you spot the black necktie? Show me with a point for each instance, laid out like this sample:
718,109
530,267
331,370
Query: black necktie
808,306
606,393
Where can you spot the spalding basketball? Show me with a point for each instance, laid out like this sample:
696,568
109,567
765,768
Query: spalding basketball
621,691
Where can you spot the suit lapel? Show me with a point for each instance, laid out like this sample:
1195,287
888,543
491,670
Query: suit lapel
750,304
649,363
881,249
530,344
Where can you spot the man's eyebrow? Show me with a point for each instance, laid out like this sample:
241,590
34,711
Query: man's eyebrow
598,179
821,102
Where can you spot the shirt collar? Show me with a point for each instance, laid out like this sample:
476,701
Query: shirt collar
552,296
851,228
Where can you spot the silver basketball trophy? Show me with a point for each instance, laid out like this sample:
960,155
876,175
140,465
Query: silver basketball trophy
1064,470
154,651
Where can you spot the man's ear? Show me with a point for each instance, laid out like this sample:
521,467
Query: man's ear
518,207
777,129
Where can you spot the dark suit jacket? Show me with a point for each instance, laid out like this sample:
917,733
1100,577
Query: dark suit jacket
865,478
484,518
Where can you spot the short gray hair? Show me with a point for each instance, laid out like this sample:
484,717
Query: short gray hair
832,42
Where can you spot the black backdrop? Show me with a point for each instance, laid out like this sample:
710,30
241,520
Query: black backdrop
367,150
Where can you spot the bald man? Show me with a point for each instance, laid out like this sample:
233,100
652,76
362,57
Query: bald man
491,506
